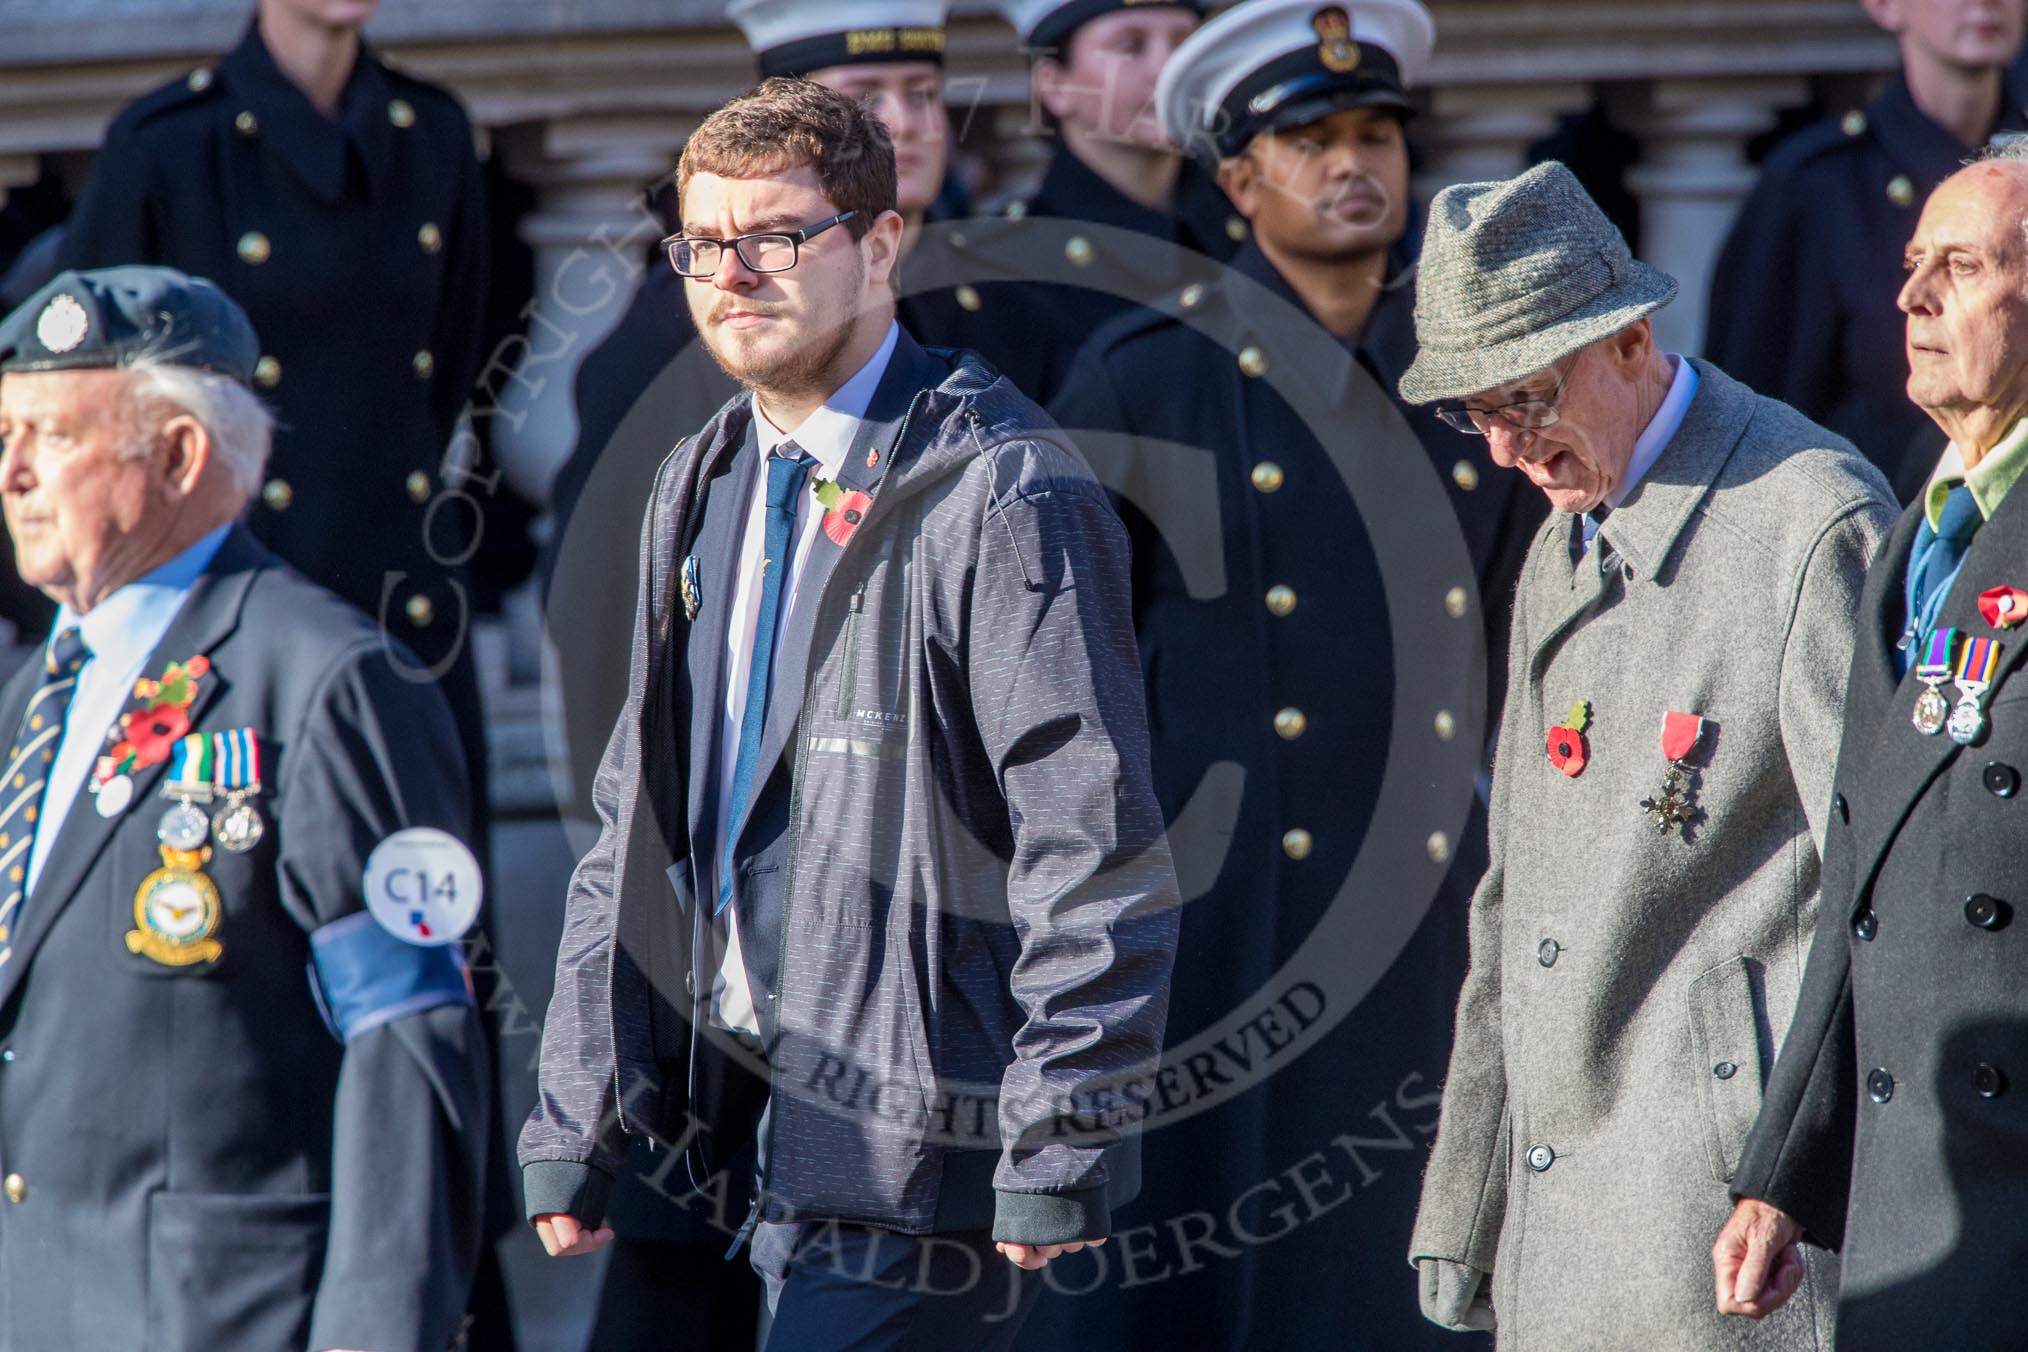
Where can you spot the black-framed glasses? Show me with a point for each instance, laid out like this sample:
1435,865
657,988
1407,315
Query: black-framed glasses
1523,415
770,251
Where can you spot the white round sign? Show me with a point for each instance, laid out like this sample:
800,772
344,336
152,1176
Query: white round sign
422,885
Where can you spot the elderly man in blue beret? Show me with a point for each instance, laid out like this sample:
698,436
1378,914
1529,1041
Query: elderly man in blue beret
242,1091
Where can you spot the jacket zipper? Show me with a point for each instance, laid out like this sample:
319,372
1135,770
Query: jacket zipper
850,685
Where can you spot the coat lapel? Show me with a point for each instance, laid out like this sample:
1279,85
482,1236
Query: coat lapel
1895,764
909,372
209,614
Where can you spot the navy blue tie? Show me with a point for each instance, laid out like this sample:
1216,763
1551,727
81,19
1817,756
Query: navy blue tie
27,771
787,467
1933,563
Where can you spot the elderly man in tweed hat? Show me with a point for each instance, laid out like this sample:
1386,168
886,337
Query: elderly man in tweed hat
1682,630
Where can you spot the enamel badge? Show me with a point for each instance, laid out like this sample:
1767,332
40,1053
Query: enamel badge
686,581
177,911
1672,807
2003,607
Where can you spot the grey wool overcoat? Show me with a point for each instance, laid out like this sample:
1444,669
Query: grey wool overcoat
1627,986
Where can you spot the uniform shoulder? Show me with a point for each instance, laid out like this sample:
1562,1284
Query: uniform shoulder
1830,139
1146,328
429,100
168,108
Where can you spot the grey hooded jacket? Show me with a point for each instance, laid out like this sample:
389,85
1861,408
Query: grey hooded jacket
979,912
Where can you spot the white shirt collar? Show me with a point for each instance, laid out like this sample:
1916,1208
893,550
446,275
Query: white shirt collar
827,433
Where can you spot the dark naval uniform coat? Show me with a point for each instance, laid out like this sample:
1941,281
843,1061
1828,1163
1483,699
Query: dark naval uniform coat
192,1161
1803,298
358,248
1262,609
1895,1127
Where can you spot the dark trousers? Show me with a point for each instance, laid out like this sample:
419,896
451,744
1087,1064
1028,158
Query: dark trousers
675,1298
836,1287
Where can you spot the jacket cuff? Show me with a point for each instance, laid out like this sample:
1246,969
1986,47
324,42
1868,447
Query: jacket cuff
1051,1217
565,1187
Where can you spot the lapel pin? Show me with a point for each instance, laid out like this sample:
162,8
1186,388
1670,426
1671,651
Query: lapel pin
2003,607
1568,751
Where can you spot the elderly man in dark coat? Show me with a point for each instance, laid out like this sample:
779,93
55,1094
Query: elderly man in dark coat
1893,1127
1674,691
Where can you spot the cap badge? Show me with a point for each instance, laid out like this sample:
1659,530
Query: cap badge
63,324
1335,47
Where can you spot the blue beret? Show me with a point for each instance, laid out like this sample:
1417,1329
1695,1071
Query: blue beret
115,316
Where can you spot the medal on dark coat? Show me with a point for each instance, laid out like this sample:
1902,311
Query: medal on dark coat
1976,665
1932,710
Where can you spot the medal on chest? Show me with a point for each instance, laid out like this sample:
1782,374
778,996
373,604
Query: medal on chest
1977,663
1672,808
1932,710
177,911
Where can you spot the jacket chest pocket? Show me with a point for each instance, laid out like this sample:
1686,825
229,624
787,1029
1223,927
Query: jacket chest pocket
873,648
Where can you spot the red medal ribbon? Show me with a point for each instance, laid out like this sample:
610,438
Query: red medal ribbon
2003,607
1680,734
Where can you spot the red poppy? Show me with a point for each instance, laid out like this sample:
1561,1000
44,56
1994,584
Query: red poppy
844,518
2003,607
152,734
1567,751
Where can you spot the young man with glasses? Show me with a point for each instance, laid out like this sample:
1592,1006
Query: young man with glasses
881,883
1661,792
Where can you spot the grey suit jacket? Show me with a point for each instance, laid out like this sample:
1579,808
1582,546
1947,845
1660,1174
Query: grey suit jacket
1627,986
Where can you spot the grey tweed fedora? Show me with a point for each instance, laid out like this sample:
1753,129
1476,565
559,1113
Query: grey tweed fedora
1515,275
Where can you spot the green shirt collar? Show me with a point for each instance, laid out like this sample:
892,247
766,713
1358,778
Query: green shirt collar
1989,480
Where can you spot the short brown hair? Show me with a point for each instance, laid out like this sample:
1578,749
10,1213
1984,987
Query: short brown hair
788,123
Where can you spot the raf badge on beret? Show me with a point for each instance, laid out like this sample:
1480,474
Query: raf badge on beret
63,324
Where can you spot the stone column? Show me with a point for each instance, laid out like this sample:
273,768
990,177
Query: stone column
1691,178
17,171
591,232
1476,132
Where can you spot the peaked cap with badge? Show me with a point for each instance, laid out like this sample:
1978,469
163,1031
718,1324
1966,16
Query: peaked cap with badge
1267,65
235,1111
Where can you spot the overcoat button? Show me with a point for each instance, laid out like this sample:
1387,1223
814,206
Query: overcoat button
246,124
1879,1086
1268,477
690,983
1235,229
1988,1081
419,611
1253,361
1725,1070
418,486
1843,809
254,249
267,373
16,1188
1079,251
1867,925
277,494
430,237
1540,1157
199,80
1456,601
1465,475
1986,912
425,364
1192,295
2002,781
1546,952
401,113
1291,724
1901,191
1297,844
968,298
1446,725
1281,600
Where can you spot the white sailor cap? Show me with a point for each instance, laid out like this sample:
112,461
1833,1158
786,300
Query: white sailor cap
1264,65
795,37
1046,25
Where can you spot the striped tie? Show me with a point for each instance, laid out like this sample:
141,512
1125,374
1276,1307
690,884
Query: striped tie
28,770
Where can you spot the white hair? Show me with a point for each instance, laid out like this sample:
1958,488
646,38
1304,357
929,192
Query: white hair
241,427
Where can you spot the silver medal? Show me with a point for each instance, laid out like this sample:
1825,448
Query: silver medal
183,827
1932,711
114,795
238,826
1966,723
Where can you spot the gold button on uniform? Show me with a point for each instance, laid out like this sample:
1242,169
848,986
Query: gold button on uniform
199,80
253,247
17,1188
1235,228
1193,295
419,610
1900,191
400,113
425,364
1281,600
1291,724
1455,603
1079,251
1297,844
1439,847
1016,210
1465,475
968,297
267,373
418,486
246,124
1268,476
1446,725
430,236
277,494
1853,124
1253,361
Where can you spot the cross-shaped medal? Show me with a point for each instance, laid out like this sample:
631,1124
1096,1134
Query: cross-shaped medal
1670,810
